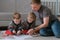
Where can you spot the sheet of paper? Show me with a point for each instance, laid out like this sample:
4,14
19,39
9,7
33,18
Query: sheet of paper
21,37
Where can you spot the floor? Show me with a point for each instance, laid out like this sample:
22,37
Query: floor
43,38
26,37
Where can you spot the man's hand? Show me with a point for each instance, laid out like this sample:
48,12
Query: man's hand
30,31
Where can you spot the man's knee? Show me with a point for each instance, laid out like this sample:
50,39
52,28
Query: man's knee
56,29
57,35
46,32
43,32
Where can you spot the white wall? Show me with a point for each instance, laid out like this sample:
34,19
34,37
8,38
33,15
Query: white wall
7,7
49,0
11,5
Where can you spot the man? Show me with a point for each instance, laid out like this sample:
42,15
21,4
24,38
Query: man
49,23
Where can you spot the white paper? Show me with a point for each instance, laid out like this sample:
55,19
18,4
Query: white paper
21,37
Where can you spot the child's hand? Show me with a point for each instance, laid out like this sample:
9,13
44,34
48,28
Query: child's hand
30,32
18,32
14,32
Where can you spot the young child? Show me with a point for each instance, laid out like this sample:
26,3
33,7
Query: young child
15,27
29,23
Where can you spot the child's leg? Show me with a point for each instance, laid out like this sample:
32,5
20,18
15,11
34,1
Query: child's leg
7,33
24,32
56,28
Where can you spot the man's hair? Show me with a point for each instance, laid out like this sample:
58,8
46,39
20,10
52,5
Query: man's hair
36,2
18,15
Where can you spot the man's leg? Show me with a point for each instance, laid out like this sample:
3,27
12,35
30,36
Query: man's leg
46,32
56,29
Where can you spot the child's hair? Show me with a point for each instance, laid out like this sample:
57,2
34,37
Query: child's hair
33,15
16,15
36,1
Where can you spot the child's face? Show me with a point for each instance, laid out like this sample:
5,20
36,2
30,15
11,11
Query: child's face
30,19
16,19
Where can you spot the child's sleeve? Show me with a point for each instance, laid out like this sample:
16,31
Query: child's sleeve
20,28
11,27
24,25
33,25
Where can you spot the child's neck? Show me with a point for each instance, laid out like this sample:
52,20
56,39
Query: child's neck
18,23
29,22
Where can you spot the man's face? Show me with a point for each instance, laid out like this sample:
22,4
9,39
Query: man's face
35,7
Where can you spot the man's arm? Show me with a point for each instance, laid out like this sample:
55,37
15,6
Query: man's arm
45,23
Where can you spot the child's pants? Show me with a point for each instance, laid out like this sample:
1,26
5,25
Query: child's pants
52,29
8,32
